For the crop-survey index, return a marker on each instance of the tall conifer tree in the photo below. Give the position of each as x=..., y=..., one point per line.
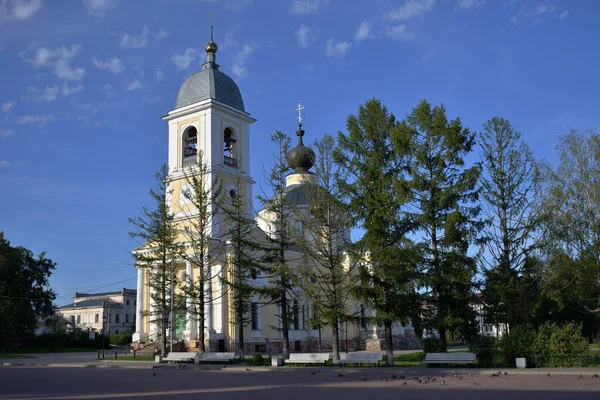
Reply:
x=444, y=200
x=510, y=190
x=376, y=194
x=160, y=247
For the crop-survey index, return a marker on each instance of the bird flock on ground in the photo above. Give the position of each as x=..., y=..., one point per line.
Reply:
x=423, y=379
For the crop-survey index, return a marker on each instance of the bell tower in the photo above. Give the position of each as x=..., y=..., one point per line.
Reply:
x=209, y=121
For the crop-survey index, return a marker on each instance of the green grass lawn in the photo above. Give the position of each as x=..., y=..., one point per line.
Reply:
x=128, y=358
x=408, y=360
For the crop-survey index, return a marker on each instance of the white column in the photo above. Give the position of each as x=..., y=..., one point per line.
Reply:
x=139, y=320
x=189, y=304
x=152, y=307
x=208, y=299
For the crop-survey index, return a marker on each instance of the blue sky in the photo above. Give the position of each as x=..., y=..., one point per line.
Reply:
x=84, y=84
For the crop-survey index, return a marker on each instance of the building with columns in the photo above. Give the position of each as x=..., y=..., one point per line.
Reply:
x=210, y=119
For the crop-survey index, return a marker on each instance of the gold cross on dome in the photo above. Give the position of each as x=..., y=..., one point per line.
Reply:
x=299, y=109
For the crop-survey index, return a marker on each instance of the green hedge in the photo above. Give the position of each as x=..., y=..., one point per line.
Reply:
x=548, y=346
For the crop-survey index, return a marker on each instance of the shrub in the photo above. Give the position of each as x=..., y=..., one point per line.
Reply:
x=560, y=345
x=258, y=360
x=485, y=348
x=432, y=345
x=517, y=343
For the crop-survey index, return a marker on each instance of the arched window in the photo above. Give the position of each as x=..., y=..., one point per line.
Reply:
x=229, y=147
x=190, y=145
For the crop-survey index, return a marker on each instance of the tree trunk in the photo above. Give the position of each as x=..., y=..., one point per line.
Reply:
x=201, y=314
x=335, y=346
x=240, y=323
x=443, y=341
x=389, y=343
x=284, y=322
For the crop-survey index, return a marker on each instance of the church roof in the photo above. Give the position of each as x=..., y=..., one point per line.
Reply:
x=210, y=83
x=91, y=303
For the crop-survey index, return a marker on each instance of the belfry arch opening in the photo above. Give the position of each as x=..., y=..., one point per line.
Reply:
x=190, y=146
x=230, y=149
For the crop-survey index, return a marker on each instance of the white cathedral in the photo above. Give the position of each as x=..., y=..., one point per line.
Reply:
x=210, y=119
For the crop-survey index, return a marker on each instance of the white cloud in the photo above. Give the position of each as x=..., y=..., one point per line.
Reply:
x=470, y=3
x=513, y=20
x=308, y=67
x=183, y=61
x=51, y=93
x=544, y=9
x=112, y=65
x=58, y=60
x=135, y=41
x=98, y=8
x=154, y=99
x=4, y=163
x=6, y=132
x=411, y=8
x=236, y=5
x=7, y=106
x=563, y=15
x=336, y=49
x=158, y=74
x=305, y=35
x=398, y=32
x=239, y=61
x=35, y=119
x=363, y=32
x=161, y=34
x=20, y=9
x=305, y=7
x=229, y=41
x=134, y=85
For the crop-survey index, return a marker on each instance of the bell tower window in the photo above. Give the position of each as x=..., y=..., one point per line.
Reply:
x=190, y=146
x=229, y=148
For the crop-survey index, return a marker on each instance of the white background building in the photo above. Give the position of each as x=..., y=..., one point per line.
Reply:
x=89, y=311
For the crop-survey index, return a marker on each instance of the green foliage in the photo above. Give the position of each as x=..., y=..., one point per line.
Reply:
x=53, y=342
x=202, y=193
x=258, y=360
x=432, y=345
x=120, y=339
x=572, y=198
x=444, y=192
x=560, y=345
x=485, y=348
x=282, y=278
x=155, y=229
x=377, y=193
x=245, y=248
x=511, y=185
x=328, y=276
x=518, y=343
x=25, y=294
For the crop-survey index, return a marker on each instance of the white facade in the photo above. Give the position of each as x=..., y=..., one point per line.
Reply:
x=116, y=310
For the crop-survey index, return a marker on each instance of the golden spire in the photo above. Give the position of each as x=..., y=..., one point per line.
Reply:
x=211, y=46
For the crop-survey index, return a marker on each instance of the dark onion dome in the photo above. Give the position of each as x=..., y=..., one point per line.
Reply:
x=301, y=158
x=210, y=83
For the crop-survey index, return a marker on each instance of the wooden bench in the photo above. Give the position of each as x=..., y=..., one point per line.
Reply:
x=216, y=357
x=360, y=358
x=181, y=356
x=308, y=358
x=449, y=358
